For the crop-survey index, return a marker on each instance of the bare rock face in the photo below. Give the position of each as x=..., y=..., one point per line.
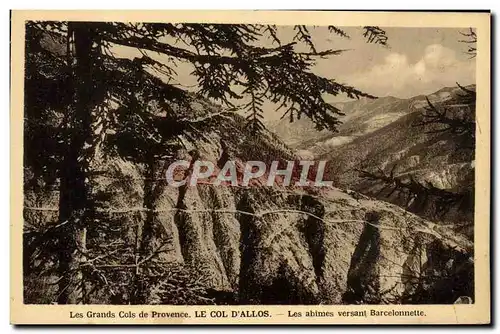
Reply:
x=258, y=244
x=274, y=245
x=277, y=245
x=285, y=246
x=384, y=135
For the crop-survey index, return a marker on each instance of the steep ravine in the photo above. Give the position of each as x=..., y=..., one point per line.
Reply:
x=278, y=245
x=389, y=135
x=271, y=245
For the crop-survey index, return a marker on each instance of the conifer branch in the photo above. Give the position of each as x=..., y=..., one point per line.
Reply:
x=375, y=35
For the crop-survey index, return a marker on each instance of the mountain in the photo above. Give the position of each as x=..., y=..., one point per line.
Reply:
x=209, y=244
x=361, y=116
x=381, y=136
x=247, y=245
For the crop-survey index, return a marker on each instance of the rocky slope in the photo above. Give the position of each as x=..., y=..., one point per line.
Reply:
x=274, y=245
x=361, y=117
x=381, y=135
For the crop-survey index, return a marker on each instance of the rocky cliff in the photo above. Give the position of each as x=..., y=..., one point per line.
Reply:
x=269, y=245
x=383, y=136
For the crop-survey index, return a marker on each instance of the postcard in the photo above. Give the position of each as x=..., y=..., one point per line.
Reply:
x=250, y=167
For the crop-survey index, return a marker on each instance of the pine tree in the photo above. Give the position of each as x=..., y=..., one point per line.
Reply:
x=454, y=117
x=457, y=116
x=471, y=41
x=93, y=89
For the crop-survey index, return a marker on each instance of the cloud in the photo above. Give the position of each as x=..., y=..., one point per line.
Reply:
x=397, y=76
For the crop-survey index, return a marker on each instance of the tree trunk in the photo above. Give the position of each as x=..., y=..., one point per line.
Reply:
x=145, y=233
x=74, y=192
x=149, y=205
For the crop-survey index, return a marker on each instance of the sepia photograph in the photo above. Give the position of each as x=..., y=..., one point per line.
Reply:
x=180, y=163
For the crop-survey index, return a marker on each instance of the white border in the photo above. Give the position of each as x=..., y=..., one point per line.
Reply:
x=188, y=4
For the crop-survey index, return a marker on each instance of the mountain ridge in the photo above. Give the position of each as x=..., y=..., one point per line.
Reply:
x=256, y=245
x=395, y=144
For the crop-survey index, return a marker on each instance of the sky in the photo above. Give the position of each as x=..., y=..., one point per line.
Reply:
x=417, y=61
